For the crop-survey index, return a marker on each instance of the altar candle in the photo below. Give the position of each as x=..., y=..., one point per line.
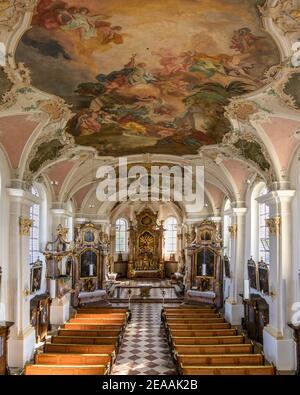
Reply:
x=91, y=269
x=246, y=289
x=204, y=269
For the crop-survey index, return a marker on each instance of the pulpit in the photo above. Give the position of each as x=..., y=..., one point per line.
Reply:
x=145, y=247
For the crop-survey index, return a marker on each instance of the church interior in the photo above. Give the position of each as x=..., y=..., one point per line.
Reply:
x=146, y=285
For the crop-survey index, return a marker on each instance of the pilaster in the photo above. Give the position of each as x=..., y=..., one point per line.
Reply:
x=279, y=345
x=233, y=306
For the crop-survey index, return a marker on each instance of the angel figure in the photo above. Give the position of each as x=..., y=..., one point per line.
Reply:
x=82, y=21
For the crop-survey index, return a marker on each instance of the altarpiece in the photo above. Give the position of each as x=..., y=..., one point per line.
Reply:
x=146, y=246
x=206, y=271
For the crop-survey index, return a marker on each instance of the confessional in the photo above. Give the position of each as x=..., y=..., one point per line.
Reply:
x=4, y=334
x=40, y=316
x=206, y=271
x=88, y=272
x=145, y=247
x=256, y=316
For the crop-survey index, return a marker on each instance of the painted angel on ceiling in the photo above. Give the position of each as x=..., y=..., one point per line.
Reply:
x=56, y=14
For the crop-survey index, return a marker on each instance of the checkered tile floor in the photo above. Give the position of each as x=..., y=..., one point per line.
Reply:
x=144, y=349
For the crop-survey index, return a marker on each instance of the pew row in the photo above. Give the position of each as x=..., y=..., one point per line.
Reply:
x=51, y=370
x=207, y=340
x=89, y=333
x=73, y=359
x=84, y=340
x=228, y=370
x=214, y=349
x=225, y=359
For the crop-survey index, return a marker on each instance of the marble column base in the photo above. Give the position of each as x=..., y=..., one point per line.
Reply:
x=278, y=350
x=234, y=312
x=59, y=311
x=20, y=348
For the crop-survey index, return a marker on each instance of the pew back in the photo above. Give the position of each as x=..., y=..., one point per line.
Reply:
x=50, y=370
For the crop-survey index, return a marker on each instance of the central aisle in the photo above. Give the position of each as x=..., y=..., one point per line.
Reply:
x=144, y=349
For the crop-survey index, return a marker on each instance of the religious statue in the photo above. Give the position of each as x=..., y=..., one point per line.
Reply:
x=181, y=263
x=109, y=263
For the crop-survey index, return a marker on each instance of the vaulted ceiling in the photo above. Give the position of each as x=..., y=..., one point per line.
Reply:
x=178, y=81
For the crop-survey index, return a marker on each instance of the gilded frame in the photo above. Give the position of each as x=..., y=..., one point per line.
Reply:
x=88, y=228
x=36, y=272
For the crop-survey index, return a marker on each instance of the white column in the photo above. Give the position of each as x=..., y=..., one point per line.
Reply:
x=22, y=334
x=279, y=347
x=234, y=309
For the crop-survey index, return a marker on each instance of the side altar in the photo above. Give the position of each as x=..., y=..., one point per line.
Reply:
x=146, y=246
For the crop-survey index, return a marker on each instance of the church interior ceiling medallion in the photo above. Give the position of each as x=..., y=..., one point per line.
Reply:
x=153, y=78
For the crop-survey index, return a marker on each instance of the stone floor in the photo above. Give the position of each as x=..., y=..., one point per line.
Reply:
x=144, y=349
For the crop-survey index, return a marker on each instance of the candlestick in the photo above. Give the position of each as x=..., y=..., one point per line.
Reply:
x=246, y=289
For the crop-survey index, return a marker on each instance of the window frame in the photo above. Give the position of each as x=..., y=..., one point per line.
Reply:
x=119, y=233
x=173, y=238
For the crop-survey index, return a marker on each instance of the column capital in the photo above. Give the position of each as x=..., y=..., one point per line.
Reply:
x=238, y=211
x=275, y=197
x=22, y=196
x=215, y=219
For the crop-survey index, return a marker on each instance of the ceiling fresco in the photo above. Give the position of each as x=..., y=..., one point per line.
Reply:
x=150, y=78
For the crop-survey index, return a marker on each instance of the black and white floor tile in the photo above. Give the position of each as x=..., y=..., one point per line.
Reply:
x=144, y=350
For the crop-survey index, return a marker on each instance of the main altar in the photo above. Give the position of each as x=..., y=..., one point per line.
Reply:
x=146, y=246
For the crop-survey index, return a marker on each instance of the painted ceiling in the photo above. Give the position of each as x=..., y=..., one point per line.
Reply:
x=154, y=78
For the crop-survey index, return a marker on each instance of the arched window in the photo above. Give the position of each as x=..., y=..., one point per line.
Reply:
x=170, y=235
x=121, y=235
x=263, y=232
x=34, y=239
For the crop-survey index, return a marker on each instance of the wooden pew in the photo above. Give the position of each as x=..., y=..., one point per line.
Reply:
x=195, y=320
x=50, y=370
x=101, y=310
x=72, y=359
x=79, y=349
x=203, y=332
x=228, y=370
x=90, y=333
x=223, y=360
x=96, y=327
x=104, y=310
x=214, y=349
x=191, y=315
x=107, y=320
x=203, y=326
x=84, y=340
x=100, y=316
x=207, y=340
x=189, y=307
